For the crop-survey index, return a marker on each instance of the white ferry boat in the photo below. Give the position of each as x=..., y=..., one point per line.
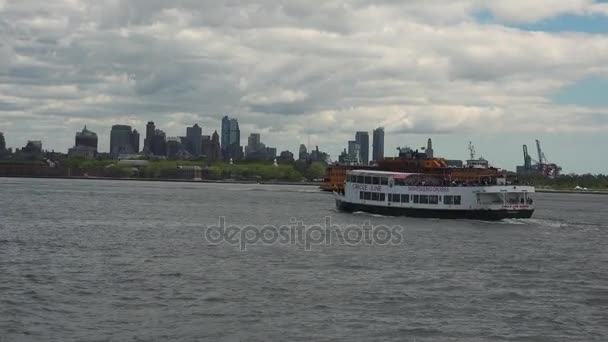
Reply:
x=434, y=196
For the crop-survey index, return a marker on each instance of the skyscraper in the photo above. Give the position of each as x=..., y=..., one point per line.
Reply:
x=429, y=149
x=235, y=132
x=150, y=130
x=194, y=138
x=158, y=143
x=362, y=138
x=2, y=142
x=86, y=138
x=354, y=151
x=303, y=152
x=85, y=145
x=225, y=137
x=135, y=141
x=378, y=144
x=231, y=139
x=121, y=140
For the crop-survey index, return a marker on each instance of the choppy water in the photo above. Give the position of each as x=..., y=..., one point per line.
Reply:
x=128, y=261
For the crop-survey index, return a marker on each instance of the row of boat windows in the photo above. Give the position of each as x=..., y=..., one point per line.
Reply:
x=400, y=198
x=367, y=180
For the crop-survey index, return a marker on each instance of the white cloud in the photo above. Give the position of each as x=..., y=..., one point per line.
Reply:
x=294, y=68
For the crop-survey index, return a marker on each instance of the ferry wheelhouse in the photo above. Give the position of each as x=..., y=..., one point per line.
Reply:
x=433, y=196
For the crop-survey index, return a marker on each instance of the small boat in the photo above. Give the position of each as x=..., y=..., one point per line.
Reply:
x=433, y=196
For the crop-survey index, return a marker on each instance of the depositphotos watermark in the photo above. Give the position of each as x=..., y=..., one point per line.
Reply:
x=300, y=234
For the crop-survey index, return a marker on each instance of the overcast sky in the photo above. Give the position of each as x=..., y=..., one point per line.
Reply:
x=500, y=73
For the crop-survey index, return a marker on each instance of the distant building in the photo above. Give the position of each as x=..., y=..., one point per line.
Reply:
x=378, y=144
x=2, y=142
x=225, y=136
x=175, y=148
x=32, y=146
x=85, y=145
x=318, y=156
x=194, y=137
x=210, y=147
x=86, y=138
x=258, y=151
x=158, y=144
x=286, y=157
x=303, y=153
x=122, y=140
x=429, y=149
x=83, y=152
x=362, y=138
x=354, y=152
x=349, y=158
x=150, y=131
x=231, y=139
x=135, y=141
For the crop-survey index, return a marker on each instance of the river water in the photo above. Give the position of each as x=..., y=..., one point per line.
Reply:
x=91, y=260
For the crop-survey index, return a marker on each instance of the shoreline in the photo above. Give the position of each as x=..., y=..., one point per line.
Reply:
x=170, y=180
x=235, y=181
x=584, y=192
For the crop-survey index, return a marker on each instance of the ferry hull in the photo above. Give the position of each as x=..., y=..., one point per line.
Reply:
x=473, y=214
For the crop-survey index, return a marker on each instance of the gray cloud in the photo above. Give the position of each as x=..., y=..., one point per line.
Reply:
x=291, y=69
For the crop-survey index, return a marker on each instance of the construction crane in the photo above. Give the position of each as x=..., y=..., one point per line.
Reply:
x=527, y=159
x=546, y=168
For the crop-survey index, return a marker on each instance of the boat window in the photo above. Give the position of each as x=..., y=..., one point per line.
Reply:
x=375, y=180
x=449, y=200
x=434, y=199
x=360, y=179
x=375, y=196
x=367, y=195
x=384, y=181
x=382, y=197
x=416, y=198
x=368, y=180
x=395, y=198
x=405, y=198
x=360, y=194
x=424, y=199
x=457, y=200
x=400, y=182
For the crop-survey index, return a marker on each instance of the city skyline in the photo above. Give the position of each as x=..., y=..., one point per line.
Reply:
x=496, y=73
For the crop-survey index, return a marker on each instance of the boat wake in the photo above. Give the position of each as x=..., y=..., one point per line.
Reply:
x=363, y=213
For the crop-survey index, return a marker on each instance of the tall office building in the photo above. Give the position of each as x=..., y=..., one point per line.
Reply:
x=303, y=152
x=354, y=152
x=121, y=140
x=158, y=143
x=362, y=138
x=231, y=139
x=85, y=145
x=194, y=140
x=86, y=138
x=2, y=142
x=135, y=141
x=378, y=144
x=429, y=149
x=150, y=130
x=225, y=134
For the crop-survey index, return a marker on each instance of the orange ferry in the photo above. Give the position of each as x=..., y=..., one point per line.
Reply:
x=475, y=171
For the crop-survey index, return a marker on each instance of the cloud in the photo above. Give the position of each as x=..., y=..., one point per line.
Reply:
x=292, y=69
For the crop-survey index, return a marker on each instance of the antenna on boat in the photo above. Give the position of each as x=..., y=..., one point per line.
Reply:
x=472, y=150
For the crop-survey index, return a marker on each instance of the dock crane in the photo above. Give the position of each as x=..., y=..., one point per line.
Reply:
x=542, y=165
